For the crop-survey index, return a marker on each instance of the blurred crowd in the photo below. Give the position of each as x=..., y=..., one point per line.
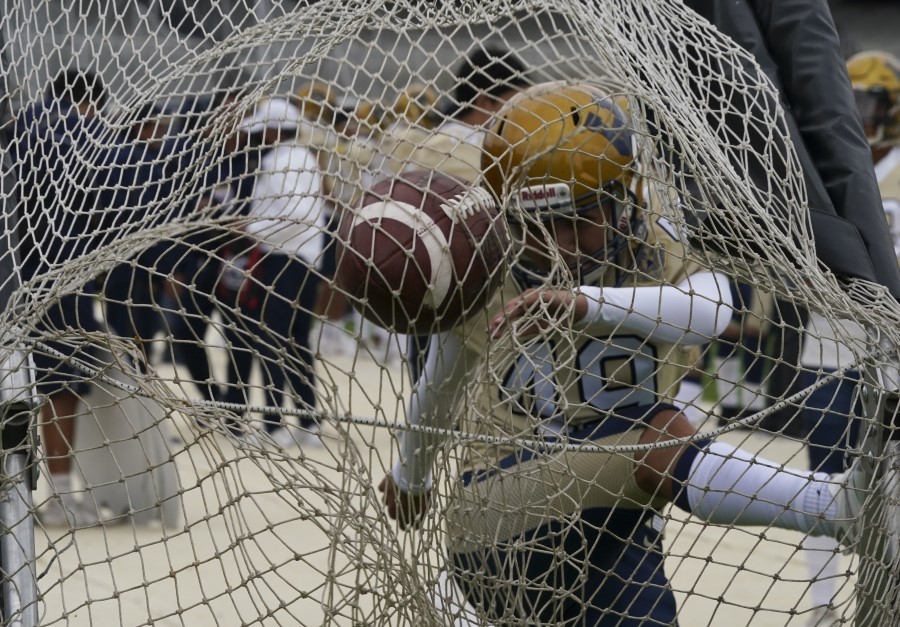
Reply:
x=217, y=217
x=222, y=209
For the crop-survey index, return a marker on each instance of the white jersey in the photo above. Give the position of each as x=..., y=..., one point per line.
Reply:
x=834, y=344
x=287, y=210
x=453, y=149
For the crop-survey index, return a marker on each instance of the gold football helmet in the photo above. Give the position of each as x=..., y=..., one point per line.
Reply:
x=317, y=101
x=417, y=105
x=875, y=77
x=368, y=118
x=562, y=151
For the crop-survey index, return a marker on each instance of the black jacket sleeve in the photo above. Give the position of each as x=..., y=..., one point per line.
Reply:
x=796, y=44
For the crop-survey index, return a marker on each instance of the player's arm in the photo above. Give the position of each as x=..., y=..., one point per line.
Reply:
x=431, y=406
x=689, y=313
x=692, y=312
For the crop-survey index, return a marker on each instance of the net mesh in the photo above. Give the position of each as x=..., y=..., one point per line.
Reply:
x=207, y=388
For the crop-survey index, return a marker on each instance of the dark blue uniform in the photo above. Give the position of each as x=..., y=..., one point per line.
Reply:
x=595, y=566
x=54, y=150
x=136, y=190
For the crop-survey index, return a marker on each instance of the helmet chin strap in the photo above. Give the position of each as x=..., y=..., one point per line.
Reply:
x=594, y=271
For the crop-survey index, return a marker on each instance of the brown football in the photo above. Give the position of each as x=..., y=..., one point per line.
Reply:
x=421, y=252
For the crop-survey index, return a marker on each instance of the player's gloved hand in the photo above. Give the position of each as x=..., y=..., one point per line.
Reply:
x=544, y=307
x=407, y=509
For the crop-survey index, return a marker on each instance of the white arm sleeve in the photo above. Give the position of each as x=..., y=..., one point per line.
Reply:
x=691, y=313
x=431, y=404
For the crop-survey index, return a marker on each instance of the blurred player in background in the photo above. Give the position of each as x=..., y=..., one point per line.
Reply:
x=190, y=261
x=587, y=342
x=322, y=128
x=139, y=174
x=288, y=218
x=828, y=411
x=57, y=228
x=415, y=106
x=485, y=80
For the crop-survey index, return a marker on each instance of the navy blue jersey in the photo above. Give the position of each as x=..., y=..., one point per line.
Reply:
x=56, y=152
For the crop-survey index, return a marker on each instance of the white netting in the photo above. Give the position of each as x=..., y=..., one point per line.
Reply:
x=229, y=413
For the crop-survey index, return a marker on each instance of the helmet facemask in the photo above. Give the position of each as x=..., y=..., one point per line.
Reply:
x=875, y=77
x=573, y=240
x=879, y=114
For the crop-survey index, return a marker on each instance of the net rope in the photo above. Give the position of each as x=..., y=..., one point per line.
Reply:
x=137, y=290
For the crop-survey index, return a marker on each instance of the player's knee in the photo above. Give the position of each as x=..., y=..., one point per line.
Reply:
x=649, y=479
x=654, y=468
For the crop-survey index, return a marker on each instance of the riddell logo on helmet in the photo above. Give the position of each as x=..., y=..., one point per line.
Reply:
x=545, y=196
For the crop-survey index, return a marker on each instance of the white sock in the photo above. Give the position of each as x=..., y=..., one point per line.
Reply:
x=728, y=486
x=728, y=377
x=821, y=558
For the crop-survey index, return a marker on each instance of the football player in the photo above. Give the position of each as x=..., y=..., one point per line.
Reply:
x=583, y=347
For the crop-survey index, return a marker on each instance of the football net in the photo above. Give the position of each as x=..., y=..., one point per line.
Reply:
x=229, y=414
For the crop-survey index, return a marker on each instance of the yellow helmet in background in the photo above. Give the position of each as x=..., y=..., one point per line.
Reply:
x=417, y=104
x=559, y=150
x=317, y=101
x=369, y=118
x=875, y=77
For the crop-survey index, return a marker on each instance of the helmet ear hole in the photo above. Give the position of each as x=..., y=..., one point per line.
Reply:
x=576, y=118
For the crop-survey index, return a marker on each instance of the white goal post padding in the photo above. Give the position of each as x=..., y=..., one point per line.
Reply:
x=122, y=451
x=141, y=222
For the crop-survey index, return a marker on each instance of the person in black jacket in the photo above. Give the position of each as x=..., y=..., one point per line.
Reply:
x=796, y=44
x=136, y=184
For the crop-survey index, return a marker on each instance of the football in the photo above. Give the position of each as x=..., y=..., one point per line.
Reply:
x=421, y=252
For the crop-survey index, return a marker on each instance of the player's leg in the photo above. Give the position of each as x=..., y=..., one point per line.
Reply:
x=58, y=434
x=691, y=390
x=238, y=298
x=723, y=484
x=575, y=570
x=301, y=285
x=286, y=315
x=235, y=389
x=196, y=276
x=63, y=385
x=332, y=306
x=116, y=291
x=548, y=538
x=830, y=431
x=129, y=304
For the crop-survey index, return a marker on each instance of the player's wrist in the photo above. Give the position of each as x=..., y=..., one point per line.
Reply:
x=400, y=475
x=592, y=300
